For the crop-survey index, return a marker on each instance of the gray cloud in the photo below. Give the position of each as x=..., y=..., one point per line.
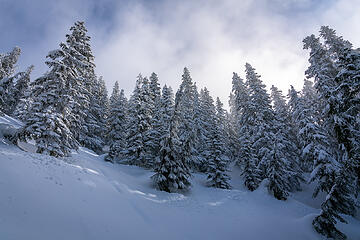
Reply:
x=213, y=38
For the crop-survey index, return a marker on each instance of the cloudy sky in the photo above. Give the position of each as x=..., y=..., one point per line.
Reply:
x=212, y=38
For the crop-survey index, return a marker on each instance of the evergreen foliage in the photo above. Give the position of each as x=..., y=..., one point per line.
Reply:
x=7, y=69
x=334, y=65
x=117, y=125
x=46, y=122
x=172, y=172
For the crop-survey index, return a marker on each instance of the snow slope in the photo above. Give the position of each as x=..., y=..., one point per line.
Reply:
x=83, y=197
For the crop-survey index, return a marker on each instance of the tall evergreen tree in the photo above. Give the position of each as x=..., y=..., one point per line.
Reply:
x=77, y=56
x=113, y=118
x=246, y=153
x=7, y=69
x=46, y=122
x=232, y=130
x=155, y=122
x=93, y=133
x=206, y=118
x=185, y=101
x=217, y=160
x=334, y=66
x=285, y=149
x=224, y=127
x=18, y=91
x=260, y=119
x=138, y=139
x=166, y=110
x=117, y=125
x=172, y=172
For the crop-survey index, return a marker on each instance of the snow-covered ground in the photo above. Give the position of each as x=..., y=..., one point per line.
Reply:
x=83, y=197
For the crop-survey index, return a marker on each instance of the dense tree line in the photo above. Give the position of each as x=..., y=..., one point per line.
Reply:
x=312, y=135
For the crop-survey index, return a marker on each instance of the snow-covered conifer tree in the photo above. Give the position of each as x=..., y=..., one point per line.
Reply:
x=172, y=172
x=334, y=66
x=7, y=69
x=286, y=142
x=139, y=125
x=93, y=133
x=46, y=122
x=216, y=159
x=260, y=120
x=112, y=118
x=207, y=114
x=18, y=91
x=155, y=122
x=117, y=125
x=184, y=99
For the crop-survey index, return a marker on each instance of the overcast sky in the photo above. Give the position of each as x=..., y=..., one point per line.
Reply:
x=212, y=38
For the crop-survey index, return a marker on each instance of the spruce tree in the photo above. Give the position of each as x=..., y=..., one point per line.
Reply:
x=260, y=119
x=93, y=132
x=221, y=115
x=172, y=172
x=246, y=158
x=78, y=57
x=117, y=124
x=7, y=69
x=139, y=126
x=166, y=109
x=113, y=118
x=46, y=122
x=232, y=130
x=207, y=114
x=184, y=99
x=286, y=142
x=334, y=65
x=217, y=160
x=155, y=122
x=18, y=91
x=146, y=120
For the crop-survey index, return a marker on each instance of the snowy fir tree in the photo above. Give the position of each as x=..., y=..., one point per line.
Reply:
x=184, y=100
x=76, y=56
x=166, y=111
x=23, y=107
x=18, y=91
x=134, y=139
x=334, y=65
x=139, y=142
x=207, y=114
x=7, y=69
x=112, y=115
x=154, y=133
x=260, y=120
x=232, y=130
x=246, y=157
x=146, y=120
x=172, y=172
x=93, y=134
x=46, y=122
x=87, y=114
x=117, y=123
x=286, y=143
x=217, y=160
x=224, y=127
x=317, y=151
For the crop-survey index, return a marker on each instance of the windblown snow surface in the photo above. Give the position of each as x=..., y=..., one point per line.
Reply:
x=83, y=197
